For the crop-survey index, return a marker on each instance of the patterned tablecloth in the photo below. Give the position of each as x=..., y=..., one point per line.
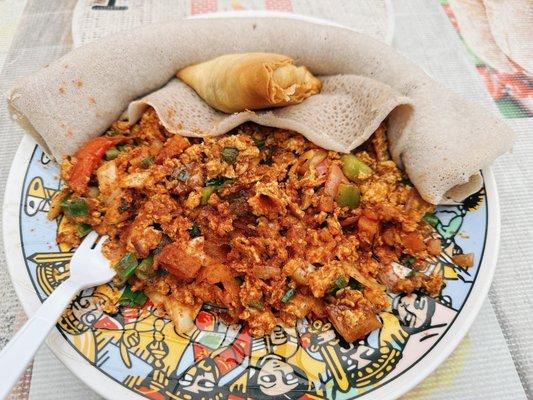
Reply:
x=474, y=47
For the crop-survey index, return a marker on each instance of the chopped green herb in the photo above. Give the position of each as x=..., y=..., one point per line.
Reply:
x=131, y=298
x=260, y=143
x=125, y=268
x=288, y=295
x=145, y=268
x=194, y=231
x=268, y=159
x=406, y=181
x=83, y=229
x=215, y=182
x=75, y=207
x=112, y=132
x=212, y=185
x=146, y=162
x=407, y=260
x=206, y=194
x=431, y=219
x=229, y=154
x=121, y=146
x=218, y=181
x=112, y=153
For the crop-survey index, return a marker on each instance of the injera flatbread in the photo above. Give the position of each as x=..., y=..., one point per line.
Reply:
x=511, y=24
x=346, y=102
x=471, y=18
x=442, y=143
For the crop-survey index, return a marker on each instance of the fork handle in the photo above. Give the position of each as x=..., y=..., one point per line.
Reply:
x=23, y=346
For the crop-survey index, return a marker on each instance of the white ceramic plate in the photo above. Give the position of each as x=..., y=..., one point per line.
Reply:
x=138, y=355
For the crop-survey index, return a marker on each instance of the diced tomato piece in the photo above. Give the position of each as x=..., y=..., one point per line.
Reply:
x=370, y=214
x=368, y=226
x=87, y=159
x=219, y=273
x=217, y=249
x=178, y=262
x=173, y=147
x=351, y=325
x=413, y=242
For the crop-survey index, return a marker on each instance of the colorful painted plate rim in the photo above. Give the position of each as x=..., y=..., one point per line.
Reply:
x=108, y=388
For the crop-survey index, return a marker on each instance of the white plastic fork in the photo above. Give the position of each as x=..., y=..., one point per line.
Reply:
x=88, y=267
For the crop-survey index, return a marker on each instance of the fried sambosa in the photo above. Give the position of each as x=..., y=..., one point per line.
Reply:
x=250, y=81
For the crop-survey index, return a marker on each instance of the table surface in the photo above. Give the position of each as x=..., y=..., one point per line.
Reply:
x=35, y=32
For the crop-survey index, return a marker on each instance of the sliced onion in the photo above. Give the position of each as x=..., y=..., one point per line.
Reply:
x=107, y=175
x=182, y=316
x=322, y=167
x=366, y=281
x=310, y=159
x=334, y=179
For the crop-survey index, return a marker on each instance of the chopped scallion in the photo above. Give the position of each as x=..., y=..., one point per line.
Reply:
x=354, y=284
x=288, y=295
x=145, y=268
x=131, y=298
x=125, y=268
x=431, y=219
x=268, y=159
x=339, y=283
x=212, y=185
x=194, y=231
x=75, y=207
x=260, y=143
x=218, y=181
x=83, y=229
